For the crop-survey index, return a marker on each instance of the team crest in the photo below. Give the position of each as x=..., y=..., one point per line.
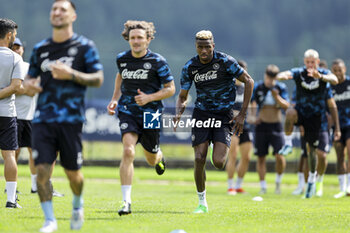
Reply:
x=72, y=51
x=147, y=66
x=193, y=137
x=216, y=66
x=124, y=125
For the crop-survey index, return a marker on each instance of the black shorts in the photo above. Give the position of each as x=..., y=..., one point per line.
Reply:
x=246, y=136
x=149, y=138
x=267, y=134
x=345, y=135
x=48, y=138
x=323, y=143
x=212, y=134
x=312, y=127
x=8, y=133
x=24, y=133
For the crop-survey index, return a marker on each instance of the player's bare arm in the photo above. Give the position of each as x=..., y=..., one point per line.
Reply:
x=248, y=90
x=285, y=75
x=64, y=72
x=280, y=101
x=181, y=104
x=332, y=106
x=13, y=88
x=330, y=78
x=167, y=91
x=116, y=95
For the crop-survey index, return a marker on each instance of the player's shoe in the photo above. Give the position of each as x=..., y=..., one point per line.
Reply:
x=298, y=191
x=348, y=191
x=11, y=205
x=240, y=190
x=49, y=226
x=286, y=150
x=125, y=209
x=57, y=194
x=262, y=191
x=340, y=195
x=33, y=191
x=319, y=189
x=309, y=190
x=77, y=219
x=160, y=167
x=201, y=209
x=278, y=188
x=231, y=191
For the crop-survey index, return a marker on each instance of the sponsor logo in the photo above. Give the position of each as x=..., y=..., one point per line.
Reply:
x=137, y=74
x=343, y=96
x=80, y=158
x=210, y=75
x=194, y=71
x=44, y=54
x=46, y=64
x=310, y=86
x=122, y=64
x=151, y=120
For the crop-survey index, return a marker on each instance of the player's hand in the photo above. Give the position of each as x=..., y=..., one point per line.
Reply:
x=337, y=135
x=275, y=92
x=142, y=98
x=176, y=119
x=61, y=71
x=32, y=86
x=111, y=107
x=239, y=123
x=314, y=73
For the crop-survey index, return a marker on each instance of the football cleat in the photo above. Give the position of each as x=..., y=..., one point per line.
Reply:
x=262, y=191
x=77, y=219
x=319, y=189
x=240, y=190
x=33, y=191
x=231, y=191
x=340, y=195
x=278, y=188
x=11, y=205
x=201, y=209
x=310, y=190
x=125, y=209
x=286, y=150
x=57, y=194
x=49, y=226
x=160, y=167
x=298, y=191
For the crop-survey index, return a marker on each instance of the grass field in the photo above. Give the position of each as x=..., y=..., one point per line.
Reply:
x=164, y=203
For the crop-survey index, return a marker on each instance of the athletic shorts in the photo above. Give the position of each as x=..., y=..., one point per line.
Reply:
x=8, y=133
x=246, y=136
x=345, y=135
x=267, y=134
x=312, y=127
x=323, y=143
x=149, y=138
x=212, y=134
x=24, y=133
x=48, y=138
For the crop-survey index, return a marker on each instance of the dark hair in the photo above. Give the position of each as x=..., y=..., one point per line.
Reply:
x=338, y=61
x=242, y=64
x=323, y=64
x=6, y=26
x=71, y=3
x=134, y=24
x=272, y=70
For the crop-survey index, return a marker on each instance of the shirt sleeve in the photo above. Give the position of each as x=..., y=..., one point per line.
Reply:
x=164, y=72
x=185, y=81
x=233, y=66
x=92, y=59
x=34, y=69
x=19, y=69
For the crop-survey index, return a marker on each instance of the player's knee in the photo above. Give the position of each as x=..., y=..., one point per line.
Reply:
x=200, y=160
x=291, y=113
x=219, y=163
x=129, y=152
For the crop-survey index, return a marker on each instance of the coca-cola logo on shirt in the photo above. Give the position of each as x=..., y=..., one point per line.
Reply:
x=135, y=74
x=212, y=74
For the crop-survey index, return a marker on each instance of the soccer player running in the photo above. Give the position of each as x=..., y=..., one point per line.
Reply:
x=311, y=86
x=12, y=73
x=67, y=63
x=214, y=75
x=269, y=98
x=243, y=143
x=341, y=93
x=143, y=80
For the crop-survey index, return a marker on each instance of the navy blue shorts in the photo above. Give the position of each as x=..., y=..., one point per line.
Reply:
x=149, y=138
x=48, y=138
x=312, y=127
x=246, y=136
x=211, y=134
x=345, y=135
x=267, y=134
x=8, y=133
x=24, y=133
x=323, y=143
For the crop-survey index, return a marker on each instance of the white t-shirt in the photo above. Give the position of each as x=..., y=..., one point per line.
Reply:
x=11, y=67
x=25, y=105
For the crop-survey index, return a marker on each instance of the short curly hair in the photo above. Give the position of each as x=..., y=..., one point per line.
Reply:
x=204, y=35
x=134, y=24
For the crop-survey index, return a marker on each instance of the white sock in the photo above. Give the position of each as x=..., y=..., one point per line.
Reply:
x=263, y=184
x=230, y=183
x=202, y=198
x=126, y=191
x=348, y=186
x=319, y=178
x=239, y=182
x=301, y=180
x=11, y=191
x=312, y=177
x=342, y=182
x=34, y=187
x=288, y=140
x=279, y=177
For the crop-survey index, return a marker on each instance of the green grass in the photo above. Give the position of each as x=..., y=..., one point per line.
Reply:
x=164, y=203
